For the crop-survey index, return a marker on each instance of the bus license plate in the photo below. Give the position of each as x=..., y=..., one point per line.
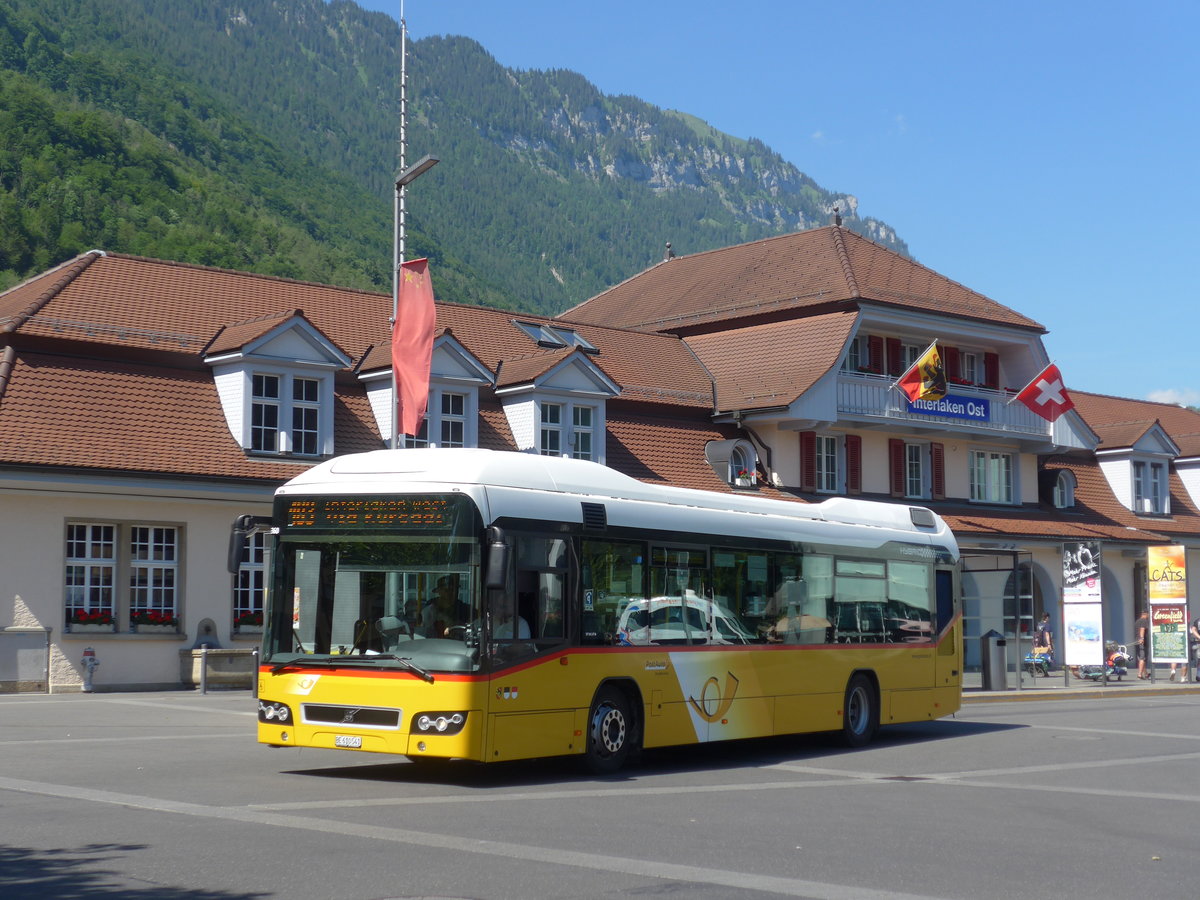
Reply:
x=350, y=741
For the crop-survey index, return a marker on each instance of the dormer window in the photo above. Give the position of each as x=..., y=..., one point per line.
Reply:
x=285, y=414
x=554, y=439
x=275, y=379
x=734, y=461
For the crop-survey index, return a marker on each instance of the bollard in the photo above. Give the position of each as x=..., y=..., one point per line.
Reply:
x=254, y=675
x=204, y=668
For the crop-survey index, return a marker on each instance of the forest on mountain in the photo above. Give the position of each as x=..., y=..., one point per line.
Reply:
x=262, y=135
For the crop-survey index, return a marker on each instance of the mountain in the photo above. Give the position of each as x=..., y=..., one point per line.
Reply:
x=262, y=135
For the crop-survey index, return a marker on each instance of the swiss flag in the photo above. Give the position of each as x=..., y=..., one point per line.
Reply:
x=1046, y=395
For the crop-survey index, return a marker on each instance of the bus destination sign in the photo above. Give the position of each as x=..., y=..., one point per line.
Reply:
x=367, y=512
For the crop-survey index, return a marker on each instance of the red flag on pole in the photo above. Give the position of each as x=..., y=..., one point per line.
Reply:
x=1046, y=395
x=412, y=343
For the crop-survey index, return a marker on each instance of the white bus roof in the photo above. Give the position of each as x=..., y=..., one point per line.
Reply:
x=500, y=473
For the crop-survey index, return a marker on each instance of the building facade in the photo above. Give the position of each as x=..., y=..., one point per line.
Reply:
x=146, y=404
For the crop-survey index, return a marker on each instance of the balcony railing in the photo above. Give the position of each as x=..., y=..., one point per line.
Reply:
x=968, y=407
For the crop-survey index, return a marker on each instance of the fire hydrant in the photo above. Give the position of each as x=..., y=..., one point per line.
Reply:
x=89, y=666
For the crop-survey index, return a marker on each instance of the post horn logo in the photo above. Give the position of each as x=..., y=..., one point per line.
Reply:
x=713, y=702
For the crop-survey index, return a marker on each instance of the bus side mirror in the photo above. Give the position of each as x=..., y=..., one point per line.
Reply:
x=497, y=560
x=243, y=527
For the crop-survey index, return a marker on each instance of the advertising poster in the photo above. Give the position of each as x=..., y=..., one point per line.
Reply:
x=1083, y=640
x=1168, y=633
x=1081, y=572
x=1166, y=574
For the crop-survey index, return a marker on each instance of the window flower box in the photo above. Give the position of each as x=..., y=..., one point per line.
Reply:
x=153, y=623
x=90, y=622
x=248, y=623
x=148, y=628
x=89, y=628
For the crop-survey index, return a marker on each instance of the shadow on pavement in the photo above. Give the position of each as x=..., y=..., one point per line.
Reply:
x=811, y=749
x=34, y=873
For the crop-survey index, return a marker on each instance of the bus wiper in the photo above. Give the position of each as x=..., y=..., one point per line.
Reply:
x=299, y=661
x=405, y=663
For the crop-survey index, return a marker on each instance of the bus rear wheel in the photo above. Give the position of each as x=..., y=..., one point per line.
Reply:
x=860, y=712
x=610, y=732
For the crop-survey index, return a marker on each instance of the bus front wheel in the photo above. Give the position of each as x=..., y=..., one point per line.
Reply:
x=610, y=731
x=860, y=713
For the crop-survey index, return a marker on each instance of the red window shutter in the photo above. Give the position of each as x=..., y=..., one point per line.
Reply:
x=937, y=471
x=896, y=465
x=808, y=460
x=991, y=371
x=895, y=357
x=875, y=352
x=953, y=362
x=853, y=464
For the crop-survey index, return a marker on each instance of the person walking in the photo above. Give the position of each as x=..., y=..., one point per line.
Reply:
x=1194, y=647
x=1141, y=630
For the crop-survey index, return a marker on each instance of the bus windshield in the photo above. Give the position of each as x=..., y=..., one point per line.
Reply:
x=382, y=582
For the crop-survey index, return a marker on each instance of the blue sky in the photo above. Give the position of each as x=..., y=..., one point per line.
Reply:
x=1042, y=153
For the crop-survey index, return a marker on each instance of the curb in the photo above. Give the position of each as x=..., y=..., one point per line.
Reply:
x=1076, y=693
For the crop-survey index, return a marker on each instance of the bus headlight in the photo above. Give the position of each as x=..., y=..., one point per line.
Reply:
x=439, y=722
x=269, y=711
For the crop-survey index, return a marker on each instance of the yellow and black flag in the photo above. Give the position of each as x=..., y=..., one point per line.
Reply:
x=926, y=378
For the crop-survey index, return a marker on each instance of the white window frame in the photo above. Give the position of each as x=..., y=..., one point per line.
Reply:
x=1149, y=484
x=858, y=354
x=573, y=438
x=127, y=568
x=153, y=570
x=550, y=428
x=969, y=366
x=264, y=404
x=991, y=476
x=828, y=464
x=249, y=586
x=305, y=436
x=916, y=471
x=441, y=418
x=1064, y=490
x=90, y=571
x=582, y=435
x=293, y=401
x=742, y=458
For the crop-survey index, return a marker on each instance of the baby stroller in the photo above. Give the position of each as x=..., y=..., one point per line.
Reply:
x=1038, y=661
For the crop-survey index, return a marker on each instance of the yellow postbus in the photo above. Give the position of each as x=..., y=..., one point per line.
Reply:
x=485, y=605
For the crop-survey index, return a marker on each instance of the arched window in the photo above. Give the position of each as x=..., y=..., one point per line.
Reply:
x=1064, y=490
x=742, y=463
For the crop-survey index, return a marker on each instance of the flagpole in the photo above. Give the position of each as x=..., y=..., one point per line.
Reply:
x=398, y=221
x=404, y=175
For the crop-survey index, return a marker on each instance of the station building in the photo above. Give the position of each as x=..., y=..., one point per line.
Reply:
x=145, y=404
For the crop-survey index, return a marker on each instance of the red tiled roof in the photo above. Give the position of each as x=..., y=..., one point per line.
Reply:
x=803, y=270
x=1121, y=421
x=93, y=414
x=772, y=364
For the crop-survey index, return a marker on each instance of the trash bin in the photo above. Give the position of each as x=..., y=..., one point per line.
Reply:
x=993, y=653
